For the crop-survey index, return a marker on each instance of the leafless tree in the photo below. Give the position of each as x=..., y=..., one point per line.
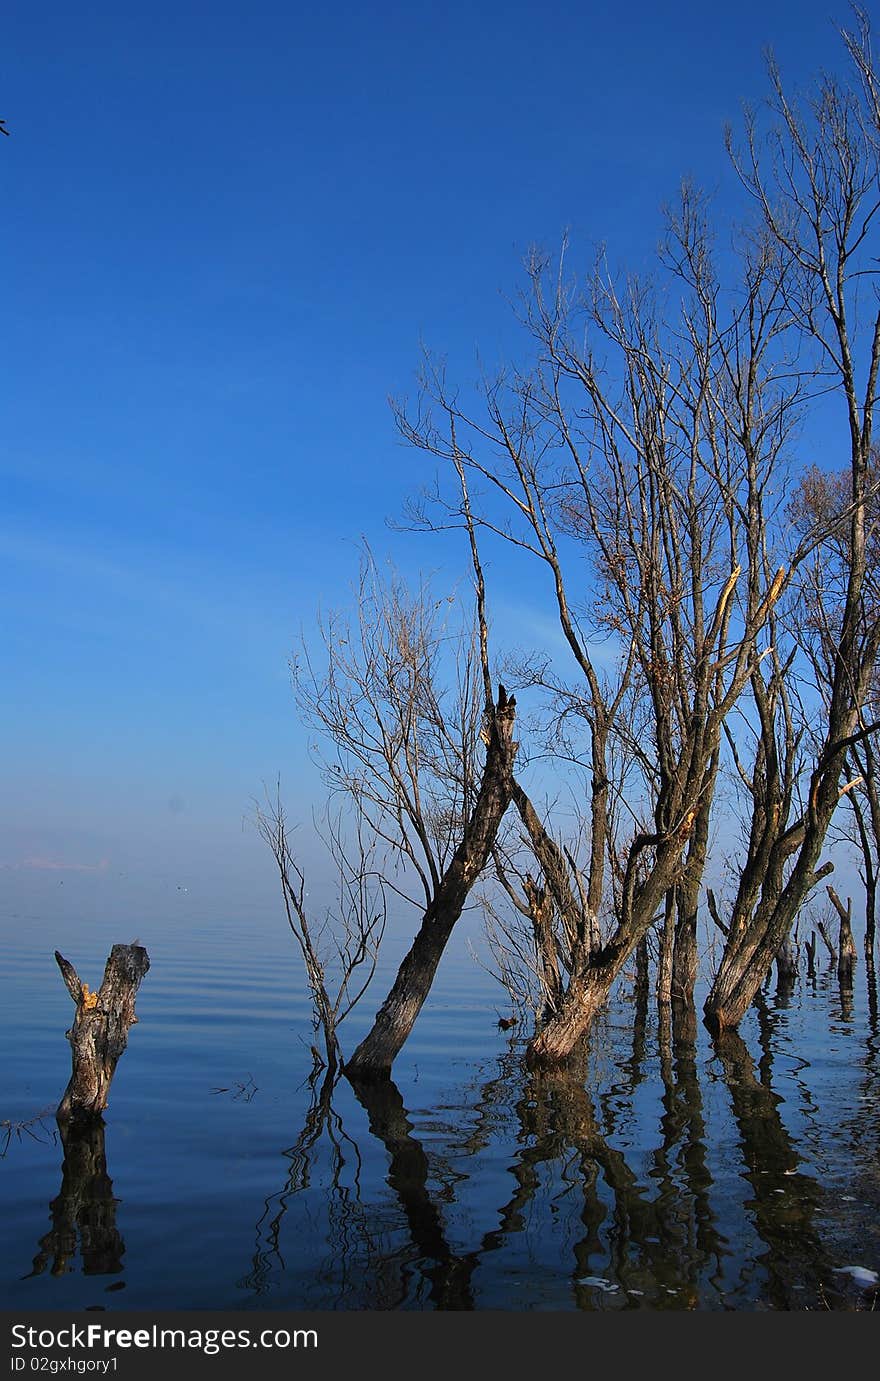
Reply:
x=341, y=949
x=823, y=499
x=402, y=703
x=623, y=443
x=484, y=795
x=816, y=183
x=638, y=459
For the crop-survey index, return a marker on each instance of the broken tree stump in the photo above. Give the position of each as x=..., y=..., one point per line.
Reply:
x=847, y=948
x=99, y=1033
x=810, y=947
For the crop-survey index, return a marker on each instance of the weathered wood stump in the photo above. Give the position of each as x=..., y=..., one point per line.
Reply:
x=99, y=1033
x=786, y=969
x=810, y=947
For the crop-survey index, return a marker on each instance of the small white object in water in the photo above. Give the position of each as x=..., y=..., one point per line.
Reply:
x=860, y=1274
x=599, y=1281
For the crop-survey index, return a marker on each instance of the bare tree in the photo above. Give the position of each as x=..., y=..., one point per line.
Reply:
x=823, y=500
x=348, y=937
x=477, y=834
x=638, y=459
x=402, y=702
x=396, y=1017
x=816, y=183
x=623, y=443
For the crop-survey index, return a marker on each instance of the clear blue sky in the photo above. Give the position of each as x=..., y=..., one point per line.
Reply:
x=226, y=229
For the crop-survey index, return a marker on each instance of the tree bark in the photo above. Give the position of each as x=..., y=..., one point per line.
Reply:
x=749, y=955
x=591, y=982
x=99, y=1033
x=642, y=968
x=376, y=1053
x=667, y=948
x=867, y=829
x=546, y=949
x=846, y=950
x=685, y=960
x=589, y=986
x=786, y=969
x=810, y=947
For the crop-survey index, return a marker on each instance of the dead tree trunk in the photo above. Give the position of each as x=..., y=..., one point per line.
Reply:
x=591, y=982
x=810, y=948
x=540, y=902
x=642, y=968
x=786, y=968
x=685, y=959
x=868, y=833
x=846, y=950
x=827, y=941
x=100, y=1028
x=667, y=946
x=396, y=1017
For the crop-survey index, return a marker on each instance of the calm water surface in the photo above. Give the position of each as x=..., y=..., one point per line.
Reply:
x=662, y=1173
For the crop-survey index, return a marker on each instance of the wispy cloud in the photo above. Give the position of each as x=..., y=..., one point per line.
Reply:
x=58, y=865
x=202, y=590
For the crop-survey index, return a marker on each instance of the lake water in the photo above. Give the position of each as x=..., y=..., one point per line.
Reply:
x=662, y=1173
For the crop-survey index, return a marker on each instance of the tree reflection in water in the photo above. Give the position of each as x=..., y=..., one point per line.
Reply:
x=84, y=1212
x=785, y=1202
x=346, y=1219
x=659, y=1238
x=660, y=1170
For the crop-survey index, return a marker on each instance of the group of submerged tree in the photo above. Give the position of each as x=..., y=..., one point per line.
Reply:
x=684, y=466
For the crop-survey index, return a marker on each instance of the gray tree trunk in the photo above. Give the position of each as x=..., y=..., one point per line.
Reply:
x=377, y=1051
x=99, y=1033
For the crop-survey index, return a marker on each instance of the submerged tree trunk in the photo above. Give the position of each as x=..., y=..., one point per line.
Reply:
x=810, y=948
x=750, y=953
x=591, y=983
x=667, y=947
x=869, y=774
x=786, y=968
x=396, y=1017
x=846, y=950
x=685, y=960
x=99, y=1033
x=642, y=969
x=546, y=950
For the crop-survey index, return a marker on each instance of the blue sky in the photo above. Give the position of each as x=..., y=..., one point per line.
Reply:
x=227, y=229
